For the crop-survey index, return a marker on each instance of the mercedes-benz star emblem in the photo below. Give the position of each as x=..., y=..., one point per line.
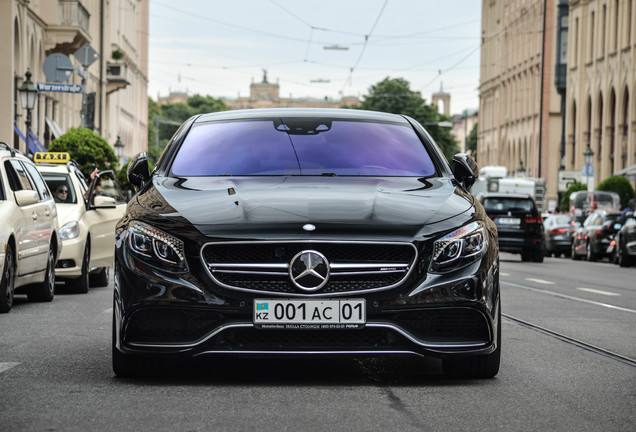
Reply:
x=309, y=270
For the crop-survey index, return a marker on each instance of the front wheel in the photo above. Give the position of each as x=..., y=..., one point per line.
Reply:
x=590, y=255
x=101, y=278
x=7, y=283
x=624, y=260
x=45, y=291
x=81, y=284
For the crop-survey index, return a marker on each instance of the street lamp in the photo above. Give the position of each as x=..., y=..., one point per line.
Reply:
x=119, y=147
x=588, y=168
x=521, y=171
x=28, y=93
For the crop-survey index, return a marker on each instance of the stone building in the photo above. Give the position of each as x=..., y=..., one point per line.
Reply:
x=116, y=81
x=527, y=117
x=601, y=85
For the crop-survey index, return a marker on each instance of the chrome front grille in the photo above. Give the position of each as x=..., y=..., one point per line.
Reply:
x=263, y=267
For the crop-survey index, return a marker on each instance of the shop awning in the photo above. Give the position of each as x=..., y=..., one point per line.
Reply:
x=55, y=128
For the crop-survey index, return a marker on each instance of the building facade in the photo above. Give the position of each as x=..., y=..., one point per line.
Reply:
x=531, y=117
x=601, y=85
x=115, y=82
x=520, y=108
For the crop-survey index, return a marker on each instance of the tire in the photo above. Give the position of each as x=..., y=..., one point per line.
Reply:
x=573, y=255
x=624, y=260
x=481, y=367
x=127, y=365
x=81, y=284
x=590, y=255
x=101, y=278
x=538, y=257
x=45, y=291
x=7, y=283
x=525, y=256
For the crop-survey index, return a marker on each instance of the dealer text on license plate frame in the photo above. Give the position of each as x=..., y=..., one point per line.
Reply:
x=309, y=314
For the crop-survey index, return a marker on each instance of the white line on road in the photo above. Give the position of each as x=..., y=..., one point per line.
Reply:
x=541, y=281
x=107, y=311
x=568, y=297
x=504, y=274
x=595, y=291
x=5, y=366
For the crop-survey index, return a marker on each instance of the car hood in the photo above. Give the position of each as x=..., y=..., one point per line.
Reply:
x=68, y=212
x=216, y=205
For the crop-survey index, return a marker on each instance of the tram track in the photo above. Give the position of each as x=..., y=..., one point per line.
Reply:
x=573, y=341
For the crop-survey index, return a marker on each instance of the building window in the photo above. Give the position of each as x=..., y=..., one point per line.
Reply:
x=591, y=51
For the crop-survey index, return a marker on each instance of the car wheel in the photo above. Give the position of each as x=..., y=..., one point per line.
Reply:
x=101, y=278
x=525, y=256
x=126, y=365
x=7, y=283
x=81, y=284
x=538, y=257
x=573, y=255
x=483, y=366
x=45, y=291
x=624, y=260
x=590, y=255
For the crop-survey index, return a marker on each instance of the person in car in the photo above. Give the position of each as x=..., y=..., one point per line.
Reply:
x=631, y=207
x=61, y=194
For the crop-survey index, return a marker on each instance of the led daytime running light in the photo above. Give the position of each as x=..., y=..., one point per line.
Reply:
x=157, y=236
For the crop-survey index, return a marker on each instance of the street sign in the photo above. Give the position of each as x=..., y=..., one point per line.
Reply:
x=566, y=178
x=59, y=87
x=57, y=68
x=86, y=55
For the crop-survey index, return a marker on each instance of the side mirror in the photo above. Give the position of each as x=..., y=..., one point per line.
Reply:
x=465, y=169
x=138, y=172
x=26, y=197
x=101, y=201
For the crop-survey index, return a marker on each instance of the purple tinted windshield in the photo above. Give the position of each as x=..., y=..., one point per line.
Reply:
x=345, y=148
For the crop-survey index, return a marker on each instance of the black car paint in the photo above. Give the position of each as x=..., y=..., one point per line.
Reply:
x=213, y=209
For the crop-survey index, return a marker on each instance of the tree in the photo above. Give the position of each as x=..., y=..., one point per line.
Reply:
x=565, y=199
x=620, y=185
x=87, y=148
x=395, y=96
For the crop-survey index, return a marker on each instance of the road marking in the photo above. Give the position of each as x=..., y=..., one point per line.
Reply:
x=107, y=311
x=504, y=274
x=607, y=293
x=7, y=365
x=541, y=281
x=569, y=297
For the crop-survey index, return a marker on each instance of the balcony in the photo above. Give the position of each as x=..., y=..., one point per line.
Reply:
x=72, y=29
x=116, y=76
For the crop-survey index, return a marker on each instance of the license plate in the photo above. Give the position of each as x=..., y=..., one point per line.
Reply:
x=509, y=221
x=309, y=314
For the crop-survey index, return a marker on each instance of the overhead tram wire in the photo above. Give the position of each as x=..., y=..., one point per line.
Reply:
x=364, y=47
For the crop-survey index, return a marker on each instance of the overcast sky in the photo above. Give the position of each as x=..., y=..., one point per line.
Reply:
x=218, y=47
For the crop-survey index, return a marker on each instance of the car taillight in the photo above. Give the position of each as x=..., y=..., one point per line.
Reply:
x=558, y=231
x=599, y=232
x=533, y=220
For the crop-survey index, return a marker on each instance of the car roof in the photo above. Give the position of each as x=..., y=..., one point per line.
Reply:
x=270, y=113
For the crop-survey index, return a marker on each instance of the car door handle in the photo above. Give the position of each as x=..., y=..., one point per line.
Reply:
x=47, y=213
x=34, y=216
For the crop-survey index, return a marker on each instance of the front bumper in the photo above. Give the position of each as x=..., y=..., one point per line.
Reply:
x=69, y=264
x=157, y=313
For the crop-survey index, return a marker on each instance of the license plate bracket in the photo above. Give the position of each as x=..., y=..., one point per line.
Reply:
x=309, y=314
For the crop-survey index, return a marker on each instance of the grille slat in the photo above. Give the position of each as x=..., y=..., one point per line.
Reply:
x=355, y=267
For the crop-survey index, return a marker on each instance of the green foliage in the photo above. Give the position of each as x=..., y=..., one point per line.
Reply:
x=154, y=152
x=395, y=96
x=620, y=185
x=122, y=178
x=565, y=199
x=471, y=142
x=87, y=148
x=170, y=116
x=117, y=54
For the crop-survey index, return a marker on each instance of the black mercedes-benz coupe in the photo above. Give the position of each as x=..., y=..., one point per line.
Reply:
x=306, y=232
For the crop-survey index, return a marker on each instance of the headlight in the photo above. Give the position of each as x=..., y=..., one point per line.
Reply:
x=70, y=231
x=461, y=246
x=156, y=247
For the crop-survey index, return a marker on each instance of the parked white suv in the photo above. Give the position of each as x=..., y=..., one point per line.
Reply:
x=87, y=216
x=29, y=238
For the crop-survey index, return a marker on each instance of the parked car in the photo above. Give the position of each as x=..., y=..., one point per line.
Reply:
x=626, y=242
x=518, y=222
x=300, y=232
x=558, y=232
x=87, y=216
x=593, y=237
x=29, y=239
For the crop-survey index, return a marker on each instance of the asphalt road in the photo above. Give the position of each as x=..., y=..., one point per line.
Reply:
x=55, y=371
